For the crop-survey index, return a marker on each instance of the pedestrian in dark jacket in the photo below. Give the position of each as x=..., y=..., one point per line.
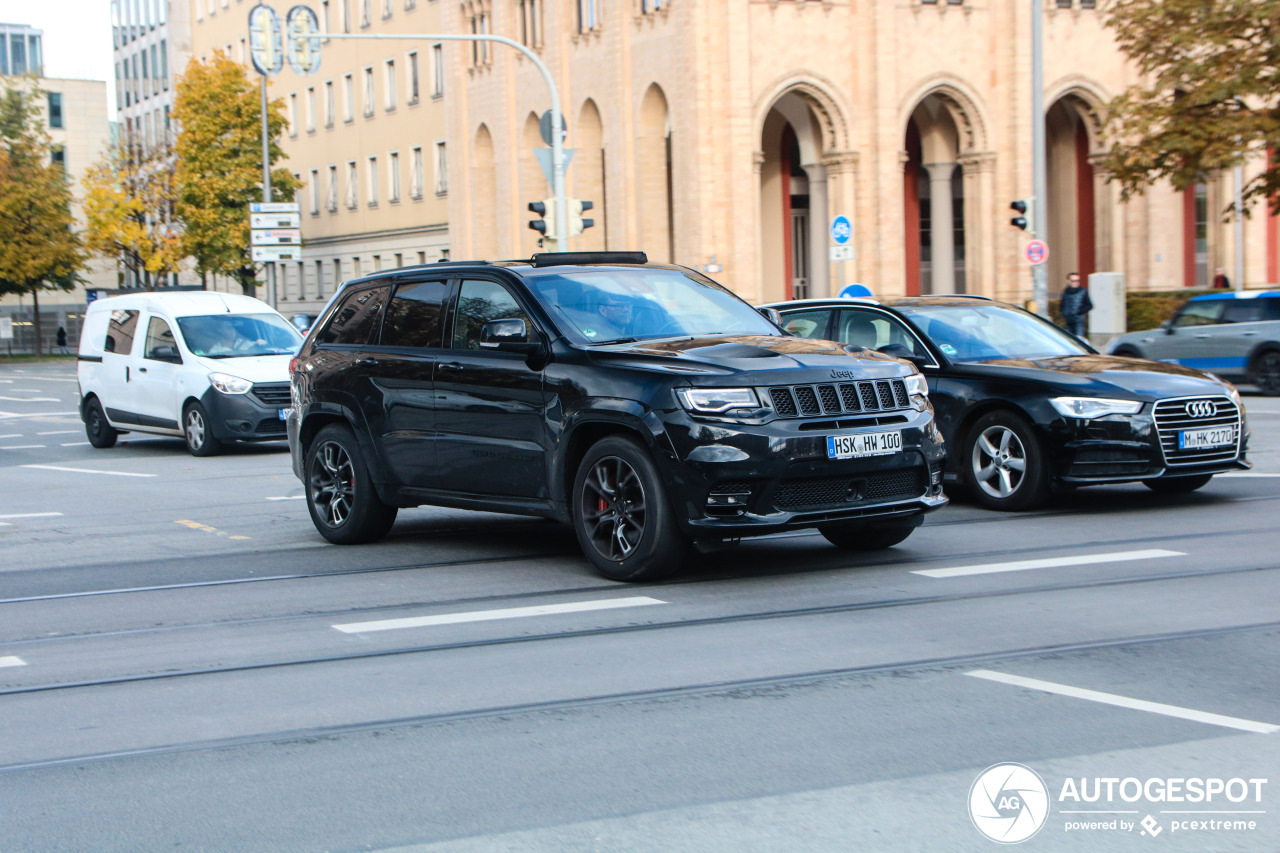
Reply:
x=62, y=340
x=1075, y=305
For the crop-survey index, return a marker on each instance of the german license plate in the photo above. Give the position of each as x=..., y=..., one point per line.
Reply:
x=863, y=444
x=1198, y=439
x=284, y=414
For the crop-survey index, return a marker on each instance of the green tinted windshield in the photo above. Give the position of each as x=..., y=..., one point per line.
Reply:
x=599, y=306
x=986, y=332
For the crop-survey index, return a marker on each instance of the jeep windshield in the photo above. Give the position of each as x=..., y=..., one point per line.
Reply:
x=601, y=306
x=239, y=335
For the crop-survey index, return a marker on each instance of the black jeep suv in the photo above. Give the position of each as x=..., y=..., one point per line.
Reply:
x=643, y=403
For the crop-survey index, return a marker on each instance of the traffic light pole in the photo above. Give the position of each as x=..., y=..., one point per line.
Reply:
x=266, y=188
x=1039, y=167
x=557, y=141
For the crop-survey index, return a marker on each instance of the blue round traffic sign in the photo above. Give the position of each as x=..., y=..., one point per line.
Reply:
x=841, y=230
x=851, y=291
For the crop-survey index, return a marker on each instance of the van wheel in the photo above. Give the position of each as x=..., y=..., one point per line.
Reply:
x=343, y=504
x=101, y=434
x=1003, y=464
x=1266, y=373
x=860, y=536
x=196, y=430
x=1177, y=485
x=621, y=514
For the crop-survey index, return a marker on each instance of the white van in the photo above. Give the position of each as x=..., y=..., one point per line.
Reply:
x=211, y=367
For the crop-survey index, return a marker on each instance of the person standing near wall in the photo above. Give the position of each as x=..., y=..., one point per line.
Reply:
x=1075, y=305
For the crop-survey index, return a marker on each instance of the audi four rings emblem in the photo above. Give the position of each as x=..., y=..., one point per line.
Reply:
x=1201, y=409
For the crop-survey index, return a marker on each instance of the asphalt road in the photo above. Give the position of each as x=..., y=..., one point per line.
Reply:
x=185, y=664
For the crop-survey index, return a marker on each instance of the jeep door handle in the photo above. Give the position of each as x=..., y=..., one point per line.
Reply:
x=449, y=365
x=367, y=362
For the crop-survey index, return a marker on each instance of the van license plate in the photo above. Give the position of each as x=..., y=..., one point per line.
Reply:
x=284, y=414
x=864, y=444
x=1198, y=439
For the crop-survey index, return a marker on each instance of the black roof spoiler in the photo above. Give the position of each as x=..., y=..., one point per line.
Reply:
x=562, y=259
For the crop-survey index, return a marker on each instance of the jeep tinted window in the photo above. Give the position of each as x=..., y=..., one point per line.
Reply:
x=120, y=332
x=356, y=318
x=413, y=317
x=478, y=303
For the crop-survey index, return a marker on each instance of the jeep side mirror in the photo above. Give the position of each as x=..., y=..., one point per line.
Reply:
x=509, y=335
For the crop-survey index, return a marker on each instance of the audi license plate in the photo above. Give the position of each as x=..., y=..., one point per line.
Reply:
x=1199, y=439
x=865, y=444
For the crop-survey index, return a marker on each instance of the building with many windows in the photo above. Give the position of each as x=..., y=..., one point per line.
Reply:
x=151, y=42
x=729, y=134
x=366, y=137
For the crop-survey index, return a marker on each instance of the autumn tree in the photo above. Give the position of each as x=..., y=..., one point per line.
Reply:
x=1211, y=97
x=219, y=148
x=129, y=206
x=39, y=248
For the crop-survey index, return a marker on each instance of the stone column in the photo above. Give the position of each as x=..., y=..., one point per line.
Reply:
x=842, y=200
x=979, y=252
x=1103, y=229
x=757, y=168
x=941, y=228
x=819, y=266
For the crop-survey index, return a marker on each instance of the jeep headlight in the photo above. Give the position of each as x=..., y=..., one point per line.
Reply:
x=228, y=384
x=1086, y=408
x=917, y=391
x=717, y=401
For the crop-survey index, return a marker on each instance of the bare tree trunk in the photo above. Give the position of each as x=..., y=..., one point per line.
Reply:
x=35, y=299
x=204, y=279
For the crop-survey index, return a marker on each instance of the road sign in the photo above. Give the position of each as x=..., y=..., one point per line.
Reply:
x=1036, y=252
x=276, y=237
x=6, y=328
x=543, y=156
x=841, y=230
x=274, y=207
x=275, y=220
x=544, y=127
x=302, y=48
x=266, y=47
x=840, y=253
x=277, y=253
x=852, y=291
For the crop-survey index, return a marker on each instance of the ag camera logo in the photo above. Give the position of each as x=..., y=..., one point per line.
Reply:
x=1008, y=802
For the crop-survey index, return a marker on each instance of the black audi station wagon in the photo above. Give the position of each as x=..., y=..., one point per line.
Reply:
x=642, y=403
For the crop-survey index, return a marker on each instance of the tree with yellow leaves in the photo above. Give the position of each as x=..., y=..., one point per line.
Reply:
x=129, y=207
x=219, y=170
x=38, y=248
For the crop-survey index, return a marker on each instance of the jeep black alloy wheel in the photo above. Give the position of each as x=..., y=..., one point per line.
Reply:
x=340, y=496
x=621, y=514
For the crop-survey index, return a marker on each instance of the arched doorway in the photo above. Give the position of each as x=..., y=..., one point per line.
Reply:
x=794, y=210
x=533, y=184
x=1072, y=214
x=484, y=182
x=934, y=200
x=653, y=157
x=588, y=176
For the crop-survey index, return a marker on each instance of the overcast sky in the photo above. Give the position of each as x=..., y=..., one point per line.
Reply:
x=77, y=38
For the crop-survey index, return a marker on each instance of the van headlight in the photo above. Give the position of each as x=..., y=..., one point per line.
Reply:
x=717, y=401
x=228, y=384
x=1094, y=407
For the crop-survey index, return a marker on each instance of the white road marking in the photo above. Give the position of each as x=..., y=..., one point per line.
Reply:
x=12, y=661
x=6, y=416
x=75, y=444
x=20, y=446
x=42, y=379
x=60, y=432
x=31, y=399
x=487, y=615
x=1247, y=474
x=289, y=498
x=1048, y=563
x=12, y=435
x=31, y=515
x=1127, y=702
x=88, y=471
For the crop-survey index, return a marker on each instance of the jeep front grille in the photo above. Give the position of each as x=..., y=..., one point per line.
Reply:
x=839, y=398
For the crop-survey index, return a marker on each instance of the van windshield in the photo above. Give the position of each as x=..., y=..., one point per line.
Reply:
x=239, y=335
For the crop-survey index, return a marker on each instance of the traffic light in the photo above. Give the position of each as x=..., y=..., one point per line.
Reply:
x=1026, y=218
x=576, y=223
x=546, y=224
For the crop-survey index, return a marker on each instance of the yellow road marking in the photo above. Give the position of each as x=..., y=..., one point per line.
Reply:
x=195, y=525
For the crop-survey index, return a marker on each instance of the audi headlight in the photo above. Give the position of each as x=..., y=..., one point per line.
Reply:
x=228, y=384
x=1235, y=394
x=1094, y=407
x=715, y=401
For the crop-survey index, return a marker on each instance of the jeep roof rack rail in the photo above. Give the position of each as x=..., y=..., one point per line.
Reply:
x=559, y=259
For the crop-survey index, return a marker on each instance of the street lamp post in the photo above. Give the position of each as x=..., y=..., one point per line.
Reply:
x=1039, y=167
x=557, y=141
